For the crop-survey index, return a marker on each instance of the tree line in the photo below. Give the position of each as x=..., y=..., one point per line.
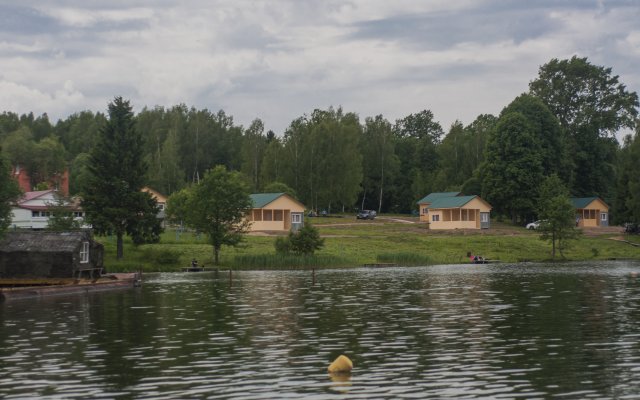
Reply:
x=333, y=160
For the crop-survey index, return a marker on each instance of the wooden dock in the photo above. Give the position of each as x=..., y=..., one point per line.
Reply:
x=380, y=265
x=17, y=288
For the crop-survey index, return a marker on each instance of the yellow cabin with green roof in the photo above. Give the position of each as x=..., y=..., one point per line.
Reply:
x=452, y=210
x=275, y=212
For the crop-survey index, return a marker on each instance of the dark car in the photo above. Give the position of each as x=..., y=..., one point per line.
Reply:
x=366, y=214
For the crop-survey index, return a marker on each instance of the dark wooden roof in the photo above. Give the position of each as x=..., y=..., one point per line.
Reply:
x=43, y=242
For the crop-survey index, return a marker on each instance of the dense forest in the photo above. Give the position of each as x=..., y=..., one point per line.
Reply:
x=566, y=124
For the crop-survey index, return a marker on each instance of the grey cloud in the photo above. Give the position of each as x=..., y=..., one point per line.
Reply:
x=445, y=29
x=20, y=20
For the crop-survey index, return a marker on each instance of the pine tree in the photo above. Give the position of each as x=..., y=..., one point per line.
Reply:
x=112, y=197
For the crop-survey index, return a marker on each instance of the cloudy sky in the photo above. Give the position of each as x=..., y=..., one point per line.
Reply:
x=278, y=60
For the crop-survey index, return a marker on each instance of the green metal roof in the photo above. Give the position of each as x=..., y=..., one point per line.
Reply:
x=450, y=202
x=437, y=195
x=582, y=202
x=262, y=199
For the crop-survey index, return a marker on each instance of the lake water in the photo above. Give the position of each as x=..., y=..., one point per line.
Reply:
x=456, y=331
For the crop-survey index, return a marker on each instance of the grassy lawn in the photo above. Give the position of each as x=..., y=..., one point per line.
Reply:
x=351, y=243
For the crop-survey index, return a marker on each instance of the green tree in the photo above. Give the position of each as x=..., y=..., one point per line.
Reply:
x=379, y=161
x=253, y=149
x=112, y=198
x=9, y=192
x=547, y=132
x=279, y=187
x=62, y=217
x=177, y=206
x=303, y=242
x=272, y=162
x=591, y=105
x=632, y=202
x=322, y=161
x=512, y=168
x=557, y=213
x=417, y=137
x=217, y=206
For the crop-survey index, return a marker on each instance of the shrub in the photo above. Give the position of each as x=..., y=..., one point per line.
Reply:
x=303, y=242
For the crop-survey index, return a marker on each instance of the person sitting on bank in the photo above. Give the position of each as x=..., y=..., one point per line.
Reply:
x=194, y=263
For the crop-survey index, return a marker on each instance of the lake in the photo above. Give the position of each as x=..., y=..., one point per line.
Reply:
x=454, y=331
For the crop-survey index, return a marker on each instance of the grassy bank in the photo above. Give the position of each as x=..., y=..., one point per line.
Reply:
x=350, y=243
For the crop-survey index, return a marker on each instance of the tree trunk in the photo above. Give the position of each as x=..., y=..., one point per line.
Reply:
x=216, y=254
x=119, y=246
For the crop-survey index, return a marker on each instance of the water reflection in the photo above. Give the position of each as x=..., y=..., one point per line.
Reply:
x=480, y=331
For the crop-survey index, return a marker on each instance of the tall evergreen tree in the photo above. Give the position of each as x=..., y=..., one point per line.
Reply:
x=112, y=198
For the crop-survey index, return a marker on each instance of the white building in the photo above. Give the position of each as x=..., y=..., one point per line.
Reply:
x=32, y=210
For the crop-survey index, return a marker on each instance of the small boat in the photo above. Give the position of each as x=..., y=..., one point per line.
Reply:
x=24, y=288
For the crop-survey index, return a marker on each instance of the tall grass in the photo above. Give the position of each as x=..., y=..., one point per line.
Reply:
x=281, y=261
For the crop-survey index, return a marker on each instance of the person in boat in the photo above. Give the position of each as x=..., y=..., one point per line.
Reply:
x=194, y=263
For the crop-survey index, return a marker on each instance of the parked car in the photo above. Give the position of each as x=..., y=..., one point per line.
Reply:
x=534, y=225
x=630, y=227
x=366, y=214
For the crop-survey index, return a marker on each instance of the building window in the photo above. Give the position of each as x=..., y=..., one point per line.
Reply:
x=435, y=218
x=296, y=218
x=161, y=206
x=603, y=217
x=484, y=217
x=267, y=215
x=35, y=214
x=257, y=215
x=84, y=253
x=425, y=211
x=278, y=215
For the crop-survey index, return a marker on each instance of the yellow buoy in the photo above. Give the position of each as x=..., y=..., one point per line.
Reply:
x=341, y=364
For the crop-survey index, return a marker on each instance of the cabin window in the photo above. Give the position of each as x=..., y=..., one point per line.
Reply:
x=78, y=214
x=484, y=217
x=160, y=206
x=278, y=215
x=296, y=218
x=257, y=215
x=435, y=218
x=603, y=217
x=84, y=253
x=425, y=210
x=267, y=215
x=35, y=214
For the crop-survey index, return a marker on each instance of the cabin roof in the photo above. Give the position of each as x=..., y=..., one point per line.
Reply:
x=583, y=202
x=262, y=199
x=42, y=242
x=451, y=202
x=430, y=198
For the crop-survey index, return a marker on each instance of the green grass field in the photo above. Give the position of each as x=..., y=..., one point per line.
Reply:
x=351, y=243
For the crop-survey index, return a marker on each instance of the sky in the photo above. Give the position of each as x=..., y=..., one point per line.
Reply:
x=280, y=60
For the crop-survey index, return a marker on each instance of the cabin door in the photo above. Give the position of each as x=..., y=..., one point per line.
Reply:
x=485, y=221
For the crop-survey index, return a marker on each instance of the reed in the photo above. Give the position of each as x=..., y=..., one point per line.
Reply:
x=281, y=261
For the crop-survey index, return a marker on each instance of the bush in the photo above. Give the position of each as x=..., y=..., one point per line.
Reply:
x=303, y=242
